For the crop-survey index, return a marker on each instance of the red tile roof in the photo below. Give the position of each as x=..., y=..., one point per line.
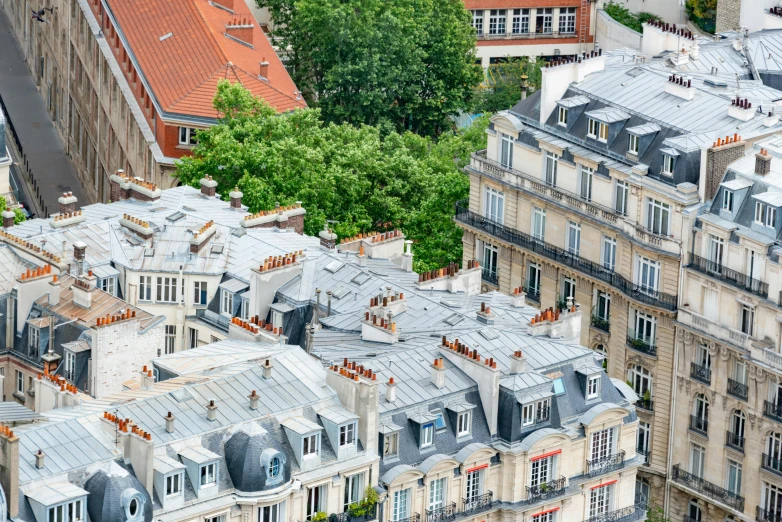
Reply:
x=183, y=69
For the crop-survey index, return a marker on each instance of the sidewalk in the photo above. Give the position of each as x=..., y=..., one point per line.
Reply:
x=41, y=148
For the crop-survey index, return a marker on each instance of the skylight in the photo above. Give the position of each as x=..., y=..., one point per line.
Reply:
x=176, y=216
x=334, y=266
x=489, y=334
x=454, y=319
x=341, y=292
x=361, y=278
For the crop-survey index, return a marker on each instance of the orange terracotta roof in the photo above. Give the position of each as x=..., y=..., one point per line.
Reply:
x=183, y=69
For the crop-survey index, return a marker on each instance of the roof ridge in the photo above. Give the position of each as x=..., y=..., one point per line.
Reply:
x=269, y=84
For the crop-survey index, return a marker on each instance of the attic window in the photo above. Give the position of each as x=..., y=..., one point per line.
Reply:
x=635, y=72
x=633, y=144
x=166, y=36
x=454, y=319
x=360, y=278
x=727, y=200
x=334, y=266
x=341, y=292
x=562, y=116
x=488, y=334
x=176, y=216
x=149, y=252
x=668, y=164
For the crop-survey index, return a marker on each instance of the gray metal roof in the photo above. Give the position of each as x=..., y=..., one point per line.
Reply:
x=12, y=411
x=337, y=414
x=469, y=449
x=537, y=435
x=596, y=410
x=392, y=474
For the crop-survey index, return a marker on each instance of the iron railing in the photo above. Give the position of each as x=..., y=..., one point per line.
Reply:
x=706, y=488
x=699, y=424
x=700, y=373
x=639, y=293
x=626, y=514
x=772, y=410
x=641, y=344
x=729, y=275
x=371, y=514
x=605, y=464
x=771, y=463
x=477, y=503
x=645, y=455
x=763, y=515
x=442, y=514
x=734, y=440
x=601, y=323
x=490, y=276
x=415, y=517
x=213, y=318
x=737, y=389
x=546, y=490
x=533, y=294
x=645, y=404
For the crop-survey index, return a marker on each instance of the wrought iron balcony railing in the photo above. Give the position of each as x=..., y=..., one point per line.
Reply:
x=371, y=514
x=477, y=503
x=763, y=515
x=734, y=440
x=601, y=323
x=772, y=410
x=606, y=464
x=728, y=275
x=637, y=292
x=632, y=513
x=546, y=490
x=771, y=463
x=641, y=343
x=442, y=514
x=415, y=517
x=533, y=294
x=645, y=404
x=737, y=389
x=706, y=488
x=699, y=424
x=490, y=276
x=700, y=373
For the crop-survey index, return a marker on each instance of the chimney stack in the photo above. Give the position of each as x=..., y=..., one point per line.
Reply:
x=236, y=198
x=79, y=251
x=169, y=422
x=40, y=459
x=267, y=369
x=517, y=363
x=211, y=411
x=264, y=69
x=8, y=218
x=328, y=239
x=208, y=187
x=67, y=203
x=762, y=162
x=254, y=400
x=438, y=373
x=147, y=379
x=54, y=291
x=391, y=390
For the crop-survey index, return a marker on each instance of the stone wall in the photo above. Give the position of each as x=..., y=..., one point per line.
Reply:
x=612, y=35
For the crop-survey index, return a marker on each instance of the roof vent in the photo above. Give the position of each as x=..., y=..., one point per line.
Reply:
x=254, y=400
x=391, y=390
x=211, y=411
x=40, y=459
x=267, y=369
x=169, y=422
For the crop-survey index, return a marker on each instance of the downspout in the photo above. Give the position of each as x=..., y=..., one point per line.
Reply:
x=67, y=99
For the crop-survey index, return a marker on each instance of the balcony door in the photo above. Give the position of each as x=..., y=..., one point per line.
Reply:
x=437, y=493
x=600, y=499
x=401, y=506
x=474, y=485
x=494, y=205
x=602, y=444
x=771, y=501
x=703, y=357
x=603, y=306
x=490, y=259
x=697, y=457
x=716, y=247
x=645, y=327
x=642, y=439
x=648, y=274
x=506, y=145
x=542, y=470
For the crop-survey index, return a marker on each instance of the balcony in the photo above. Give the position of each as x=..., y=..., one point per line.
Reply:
x=642, y=344
x=772, y=464
x=633, y=513
x=734, y=441
x=605, y=465
x=645, y=404
x=645, y=455
x=762, y=515
x=707, y=489
x=442, y=514
x=546, y=491
x=636, y=292
x=213, y=318
x=732, y=277
x=700, y=373
x=699, y=425
x=490, y=276
x=371, y=514
x=600, y=323
x=714, y=329
x=477, y=503
x=533, y=294
x=773, y=410
x=415, y=517
x=738, y=390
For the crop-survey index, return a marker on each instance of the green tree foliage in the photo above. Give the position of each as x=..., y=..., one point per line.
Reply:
x=703, y=13
x=656, y=514
x=503, y=89
x=403, y=64
x=357, y=176
x=18, y=214
x=632, y=20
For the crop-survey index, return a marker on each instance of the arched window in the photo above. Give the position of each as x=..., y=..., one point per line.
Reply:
x=773, y=456
x=736, y=432
x=694, y=511
x=699, y=420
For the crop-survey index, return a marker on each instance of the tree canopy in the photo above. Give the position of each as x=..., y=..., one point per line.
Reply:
x=504, y=88
x=356, y=175
x=401, y=64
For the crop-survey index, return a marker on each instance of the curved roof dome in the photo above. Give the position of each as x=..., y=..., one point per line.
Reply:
x=256, y=462
x=116, y=495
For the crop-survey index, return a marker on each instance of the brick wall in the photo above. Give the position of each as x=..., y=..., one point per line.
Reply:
x=717, y=161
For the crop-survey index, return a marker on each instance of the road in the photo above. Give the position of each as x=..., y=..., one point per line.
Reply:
x=41, y=147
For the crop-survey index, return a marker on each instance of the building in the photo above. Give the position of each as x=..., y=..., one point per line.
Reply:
x=128, y=86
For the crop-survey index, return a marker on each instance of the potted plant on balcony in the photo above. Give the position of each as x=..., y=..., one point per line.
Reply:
x=320, y=516
x=647, y=399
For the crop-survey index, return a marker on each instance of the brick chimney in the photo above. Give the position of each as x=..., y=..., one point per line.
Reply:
x=8, y=218
x=208, y=187
x=722, y=153
x=328, y=239
x=67, y=203
x=9, y=469
x=236, y=198
x=762, y=162
x=438, y=373
x=263, y=70
x=241, y=29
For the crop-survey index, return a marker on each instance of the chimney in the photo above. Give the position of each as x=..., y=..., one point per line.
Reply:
x=241, y=29
x=524, y=86
x=263, y=70
x=517, y=363
x=236, y=198
x=328, y=239
x=722, y=153
x=208, y=187
x=79, y=251
x=54, y=291
x=147, y=380
x=82, y=293
x=40, y=459
x=9, y=469
x=762, y=162
x=438, y=373
x=391, y=390
x=211, y=411
x=407, y=257
x=67, y=203
x=254, y=400
x=484, y=315
x=328, y=303
x=267, y=369
x=8, y=218
x=169, y=422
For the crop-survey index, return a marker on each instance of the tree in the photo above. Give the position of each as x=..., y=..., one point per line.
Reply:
x=703, y=13
x=403, y=64
x=357, y=175
x=504, y=89
x=18, y=214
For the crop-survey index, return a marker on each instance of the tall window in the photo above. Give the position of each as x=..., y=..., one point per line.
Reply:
x=192, y=338
x=694, y=511
x=593, y=128
x=600, y=500
x=586, y=182
x=642, y=439
x=533, y=279
x=490, y=259
x=544, y=20
x=109, y=285
x=574, y=237
x=773, y=458
x=632, y=146
x=703, y=356
x=199, y=293
x=209, y=474
x=552, y=162
x=497, y=21
x=269, y=513
x=542, y=470
x=316, y=500
x=602, y=444
x=33, y=341
x=437, y=493
x=401, y=506
x=539, y=224
x=620, y=201
x=751, y=263
x=174, y=484
x=145, y=288
x=568, y=288
x=494, y=205
x=645, y=327
x=474, y=485
x=353, y=489
x=648, y=275
x=227, y=302
x=19, y=382
x=697, y=460
x=347, y=435
x=520, y=21
x=609, y=253
x=700, y=412
x=746, y=319
x=166, y=289
x=727, y=200
x=427, y=435
x=668, y=164
x=170, y=338
x=658, y=215
x=391, y=445
x=640, y=379
x=716, y=247
x=567, y=19
x=477, y=21
x=739, y=373
x=506, y=150
x=603, y=306
x=765, y=215
x=562, y=116
x=737, y=421
x=70, y=366
x=593, y=387
x=771, y=501
x=463, y=424
x=72, y=511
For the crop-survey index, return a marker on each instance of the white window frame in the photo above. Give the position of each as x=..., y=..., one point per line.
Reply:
x=353, y=489
x=200, y=295
x=391, y=445
x=207, y=475
x=347, y=435
x=315, y=501
x=494, y=205
x=573, y=238
x=528, y=414
x=537, y=270
x=562, y=116
x=166, y=289
x=542, y=470
x=170, y=332
x=760, y=213
x=477, y=21
x=643, y=438
x=648, y=275
x=593, y=387
x=226, y=302
x=658, y=217
x=520, y=22
x=587, y=175
x=70, y=365
x=109, y=285
x=427, y=434
x=645, y=327
x=245, y=310
x=34, y=341
x=609, y=253
x=593, y=128
x=600, y=500
x=621, y=195
x=697, y=460
x=551, y=167
x=145, y=288
x=539, y=223
x=463, y=423
x=187, y=136
x=632, y=144
x=498, y=21
x=771, y=216
x=747, y=319
x=602, y=444
x=567, y=20
x=437, y=493
x=603, y=136
x=19, y=382
x=727, y=200
x=544, y=20
x=70, y=511
x=310, y=446
x=669, y=163
x=174, y=484
x=400, y=506
x=641, y=380
x=272, y=513
x=506, y=150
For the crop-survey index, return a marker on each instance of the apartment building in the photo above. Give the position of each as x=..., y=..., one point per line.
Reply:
x=513, y=29
x=727, y=462
x=128, y=86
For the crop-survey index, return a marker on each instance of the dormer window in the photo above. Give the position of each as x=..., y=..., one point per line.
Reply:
x=208, y=473
x=632, y=146
x=391, y=445
x=727, y=200
x=535, y=412
x=562, y=116
x=70, y=365
x=310, y=446
x=463, y=424
x=506, y=150
x=34, y=339
x=765, y=214
x=347, y=434
x=427, y=435
x=72, y=511
x=108, y=285
x=597, y=130
x=174, y=484
x=668, y=164
x=593, y=387
x=227, y=302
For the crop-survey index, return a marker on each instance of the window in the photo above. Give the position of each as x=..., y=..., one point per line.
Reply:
x=145, y=288
x=246, y=311
x=632, y=145
x=347, y=435
x=602, y=444
x=703, y=357
x=353, y=489
x=437, y=493
x=315, y=500
x=736, y=432
x=274, y=467
x=668, y=163
x=269, y=513
x=700, y=414
x=552, y=162
x=603, y=311
x=773, y=458
x=771, y=501
x=187, y=136
x=533, y=279
x=174, y=485
x=622, y=192
x=568, y=288
x=759, y=212
x=642, y=440
x=170, y=338
x=658, y=216
x=108, y=285
x=716, y=247
x=746, y=319
x=72, y=511
x=528, y=414
x=593, y=129
x=574, y=237
x=216, y=518
x=19, y=382
x=463, y=424
x=547, y=516
x=209, y=475
x=542, y=410
x=539, y=224
x=648, y=275
x=586, y=182
x=600, y=500
x=199, y=293
x=567, y=19
x=727, y=200
x=401, y=506
x=192, y=338
x=642, y=488
x=562, y=116
x=544, y=20
x=640, y=379
x=490, y=259
x=694, y=511
x=609, y=253
x=391, y=445
x=310, y=446
x=593, y=387
x=166, y=289
x=739, y=372
x=227, y=302
x=520, y=21
x=506, y=150
x=477, y=22
x=542, y=470
x=497, y=21
x=771, y=217
x=427, y=435
x=494, y=205
x=697, y=456
x=70, y=365
x=645, y=328
x=439, y=422
x=34, y=340
x=474, y=485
